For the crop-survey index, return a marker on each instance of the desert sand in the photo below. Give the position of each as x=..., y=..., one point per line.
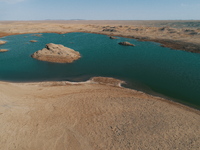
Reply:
x=97, y=114
x=173, y=34
x=92, y=116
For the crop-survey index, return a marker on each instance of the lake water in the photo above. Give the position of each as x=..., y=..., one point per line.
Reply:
x=147, y=66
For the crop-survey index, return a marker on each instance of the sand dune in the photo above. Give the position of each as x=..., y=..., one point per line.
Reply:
x=59, y=115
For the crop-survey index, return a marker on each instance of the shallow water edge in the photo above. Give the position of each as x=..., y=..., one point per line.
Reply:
x=173, y=44
x=86, y=78
x=108, y=81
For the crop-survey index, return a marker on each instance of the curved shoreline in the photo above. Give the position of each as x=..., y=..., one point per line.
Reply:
x=92, y=115
x=88, y=114
x=103, y=27
x=143, y=39
x=164, y=32
x=173, y=44
x=107, y=81
x=169, y=43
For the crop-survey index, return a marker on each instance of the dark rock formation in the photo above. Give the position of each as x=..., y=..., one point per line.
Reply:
x=110, y=30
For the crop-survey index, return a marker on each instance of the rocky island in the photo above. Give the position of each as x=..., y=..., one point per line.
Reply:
x=2, y=42
x=3, y=50
x=33, y=41
x=112, y=37
x=56, y=53
x=126, y=44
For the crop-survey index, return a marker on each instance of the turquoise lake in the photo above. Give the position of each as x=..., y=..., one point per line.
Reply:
x=147, y=66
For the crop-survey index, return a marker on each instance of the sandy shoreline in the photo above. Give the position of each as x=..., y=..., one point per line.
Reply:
x=179, y=38
x=97, y=114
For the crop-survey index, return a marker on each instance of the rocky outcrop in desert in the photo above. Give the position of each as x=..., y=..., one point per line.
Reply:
x=56, y=53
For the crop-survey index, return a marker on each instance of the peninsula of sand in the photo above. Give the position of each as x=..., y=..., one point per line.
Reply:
x=56, y=53
x=2, y=42
x=3, y=50
x=97, y=114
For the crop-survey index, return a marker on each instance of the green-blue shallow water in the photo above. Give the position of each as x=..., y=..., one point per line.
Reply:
x=147, y=66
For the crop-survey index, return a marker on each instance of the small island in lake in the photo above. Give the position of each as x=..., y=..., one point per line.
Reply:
x=3, y=50
x=112, y=37
x=126, y=44
x=56, y=53
x=2, y=42
x=33, y=41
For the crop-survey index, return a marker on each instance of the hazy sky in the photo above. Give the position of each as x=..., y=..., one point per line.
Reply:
x=99, y=9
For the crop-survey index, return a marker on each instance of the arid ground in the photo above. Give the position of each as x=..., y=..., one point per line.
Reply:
x=181, y=35
x=97, y=114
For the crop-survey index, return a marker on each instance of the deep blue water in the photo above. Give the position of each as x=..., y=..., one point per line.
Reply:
x=147, y=66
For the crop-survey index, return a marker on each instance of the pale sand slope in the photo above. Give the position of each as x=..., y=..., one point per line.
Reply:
x=45, y=116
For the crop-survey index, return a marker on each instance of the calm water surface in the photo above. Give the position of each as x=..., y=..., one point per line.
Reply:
x=147, y=66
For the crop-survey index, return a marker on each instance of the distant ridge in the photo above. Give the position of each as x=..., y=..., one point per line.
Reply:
x=62, y=19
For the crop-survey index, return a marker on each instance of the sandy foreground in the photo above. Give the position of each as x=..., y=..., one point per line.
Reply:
x=93, y=115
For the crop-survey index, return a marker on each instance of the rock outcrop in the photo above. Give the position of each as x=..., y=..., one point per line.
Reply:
x=2, y=42
x=56, y=53
x=3, y=50
x=112, y=37
x=126, y=44
x=33, y=41
x=109, y=30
